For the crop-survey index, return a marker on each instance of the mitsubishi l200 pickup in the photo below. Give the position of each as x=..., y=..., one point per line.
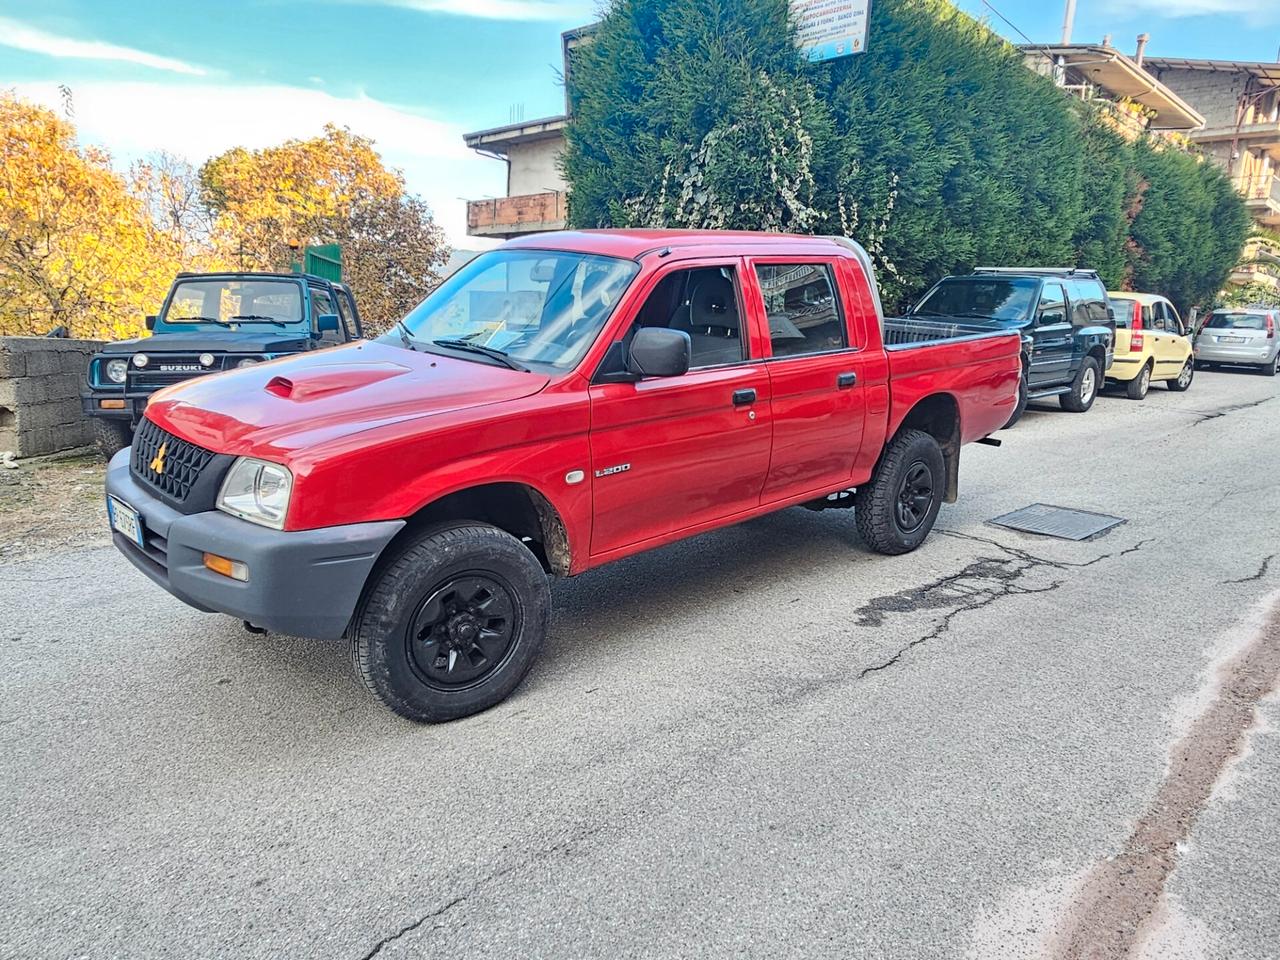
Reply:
x=562, y=401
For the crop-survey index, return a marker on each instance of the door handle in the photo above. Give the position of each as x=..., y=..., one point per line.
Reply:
x=846, y=379
x=743, y=397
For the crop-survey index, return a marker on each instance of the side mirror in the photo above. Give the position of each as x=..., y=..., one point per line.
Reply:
x=150, y=322
x=659, y=352
x=328, y=323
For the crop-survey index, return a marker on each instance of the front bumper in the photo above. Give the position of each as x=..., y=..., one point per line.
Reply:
x=134, y=407
x=304, y=583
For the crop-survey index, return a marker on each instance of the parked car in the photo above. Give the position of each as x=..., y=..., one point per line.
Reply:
x=1064, y=318
x=1151, y=344
x=560, y=402
x=1244, y=336
x=212, y=322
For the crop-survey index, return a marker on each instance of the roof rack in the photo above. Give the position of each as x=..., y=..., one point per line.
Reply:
x=1042, y=271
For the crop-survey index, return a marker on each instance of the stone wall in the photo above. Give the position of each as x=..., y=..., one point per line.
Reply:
x=40, y=381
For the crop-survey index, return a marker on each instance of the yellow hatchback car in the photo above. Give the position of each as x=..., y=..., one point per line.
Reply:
x=1151, y=344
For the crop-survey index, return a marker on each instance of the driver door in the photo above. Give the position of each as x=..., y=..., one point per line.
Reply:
x=673, y=453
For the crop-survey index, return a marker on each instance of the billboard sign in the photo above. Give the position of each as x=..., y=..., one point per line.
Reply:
x=831, y=28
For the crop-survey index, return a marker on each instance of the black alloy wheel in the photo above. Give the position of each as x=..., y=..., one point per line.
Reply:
x=915, y=497
x=463, y=631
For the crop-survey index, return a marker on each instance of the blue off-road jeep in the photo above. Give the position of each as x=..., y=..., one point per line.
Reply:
x=212, y=322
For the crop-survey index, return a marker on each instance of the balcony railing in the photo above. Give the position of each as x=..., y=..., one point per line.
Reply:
x=1262, y=187
x=509, y=216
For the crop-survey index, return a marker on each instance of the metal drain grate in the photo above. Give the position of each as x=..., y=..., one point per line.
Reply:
x=1061, y=522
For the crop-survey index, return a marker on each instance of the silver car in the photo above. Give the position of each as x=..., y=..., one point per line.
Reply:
x=1244, y=335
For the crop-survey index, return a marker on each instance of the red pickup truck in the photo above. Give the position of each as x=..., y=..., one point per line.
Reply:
x=562, y=401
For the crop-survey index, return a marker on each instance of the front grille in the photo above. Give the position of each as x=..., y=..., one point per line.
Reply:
x=182, y=463
x=152, y=377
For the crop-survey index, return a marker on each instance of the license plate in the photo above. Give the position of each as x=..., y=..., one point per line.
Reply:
x=125, y=519
x=1231, y=339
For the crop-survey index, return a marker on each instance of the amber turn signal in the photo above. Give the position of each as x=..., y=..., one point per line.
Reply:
x=228, y=568
x=111, y=404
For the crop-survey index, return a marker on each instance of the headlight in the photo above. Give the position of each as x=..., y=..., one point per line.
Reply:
x=116, y=370
x=257, y=491
x=247, y=362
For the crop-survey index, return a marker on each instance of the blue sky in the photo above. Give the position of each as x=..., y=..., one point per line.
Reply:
x=197, y=78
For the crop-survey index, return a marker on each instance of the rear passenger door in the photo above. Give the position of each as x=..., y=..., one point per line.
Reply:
x=1053, y=338
x=818, y=403
x=1169, y=346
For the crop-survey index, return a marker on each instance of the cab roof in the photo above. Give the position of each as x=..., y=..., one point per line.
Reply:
x=633, y=244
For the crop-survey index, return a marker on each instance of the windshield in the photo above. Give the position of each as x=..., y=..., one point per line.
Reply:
x=536, y=306
x=984, y=298
x=1238, y=321
x=231, y=301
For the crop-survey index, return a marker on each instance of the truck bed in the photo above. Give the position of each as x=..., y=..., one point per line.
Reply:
x=976, y=364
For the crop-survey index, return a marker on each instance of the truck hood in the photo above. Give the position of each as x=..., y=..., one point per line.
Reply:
x=277, y=408
x=257, y=340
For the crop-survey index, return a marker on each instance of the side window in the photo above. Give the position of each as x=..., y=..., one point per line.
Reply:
x=803, y=310
x=703, y=302
x=346, y=310
x=1175, y=322
x=1148, y=318
x=321, y=302
x=1159, y=321
x=1079, y=294
x=1053, y=304
x=1097, y=303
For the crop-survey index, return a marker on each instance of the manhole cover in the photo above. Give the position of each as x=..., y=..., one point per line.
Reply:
x=1061, y=522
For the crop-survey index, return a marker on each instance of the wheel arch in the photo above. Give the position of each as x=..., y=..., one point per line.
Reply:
x=516, y=508
x=939, y=416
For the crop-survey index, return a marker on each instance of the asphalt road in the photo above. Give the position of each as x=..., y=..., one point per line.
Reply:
x=765, y=742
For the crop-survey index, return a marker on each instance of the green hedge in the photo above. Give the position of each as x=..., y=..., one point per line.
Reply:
x=937, y=149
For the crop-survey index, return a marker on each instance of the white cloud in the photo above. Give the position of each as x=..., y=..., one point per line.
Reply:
x=197, y=121
x=20, y=36
x=1249, y=9
x=498, y=9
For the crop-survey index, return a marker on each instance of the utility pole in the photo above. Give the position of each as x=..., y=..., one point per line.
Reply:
x=1068, y=21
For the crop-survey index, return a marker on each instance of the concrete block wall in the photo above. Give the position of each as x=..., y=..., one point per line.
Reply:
x=40, y=381
x=1214, y=95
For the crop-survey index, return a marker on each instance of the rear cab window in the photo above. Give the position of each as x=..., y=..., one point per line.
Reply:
x=802, y=308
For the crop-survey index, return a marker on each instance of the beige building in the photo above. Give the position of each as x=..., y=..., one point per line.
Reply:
x=1241, y=105
x=1131, y=98
x=536, y=191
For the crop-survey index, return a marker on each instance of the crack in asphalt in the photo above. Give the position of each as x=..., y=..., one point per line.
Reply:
x=1222, y=412
x=979, y=584
x=1262, y=572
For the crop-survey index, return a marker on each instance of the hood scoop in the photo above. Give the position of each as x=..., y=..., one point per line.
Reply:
x=324, y=380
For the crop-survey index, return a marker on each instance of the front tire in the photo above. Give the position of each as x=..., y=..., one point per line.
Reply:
x=896, y=510
x=1084, y=389
x=451, y=626
x=111, y=436
x=1136, y=389
x=1185, y=376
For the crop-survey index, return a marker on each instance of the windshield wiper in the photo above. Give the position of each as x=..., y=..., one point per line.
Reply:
x=405, y=336
x=221, y=323
x=501, y=356
x=261, y=319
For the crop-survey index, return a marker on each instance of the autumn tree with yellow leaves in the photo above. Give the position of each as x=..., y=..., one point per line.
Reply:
x=329, y=189
x=85, y=247
x=77, y=247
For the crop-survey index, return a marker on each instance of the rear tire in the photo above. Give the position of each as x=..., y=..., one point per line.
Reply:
x=111, y=436
x=1272, y=368
x=897, y=509
x=1084, y=389
x=1136, y=389
x=1183, y=381
x=451, y=626
x=1023, y=392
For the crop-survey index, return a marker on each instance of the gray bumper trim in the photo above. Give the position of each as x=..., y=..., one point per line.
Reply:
x=303, y=583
